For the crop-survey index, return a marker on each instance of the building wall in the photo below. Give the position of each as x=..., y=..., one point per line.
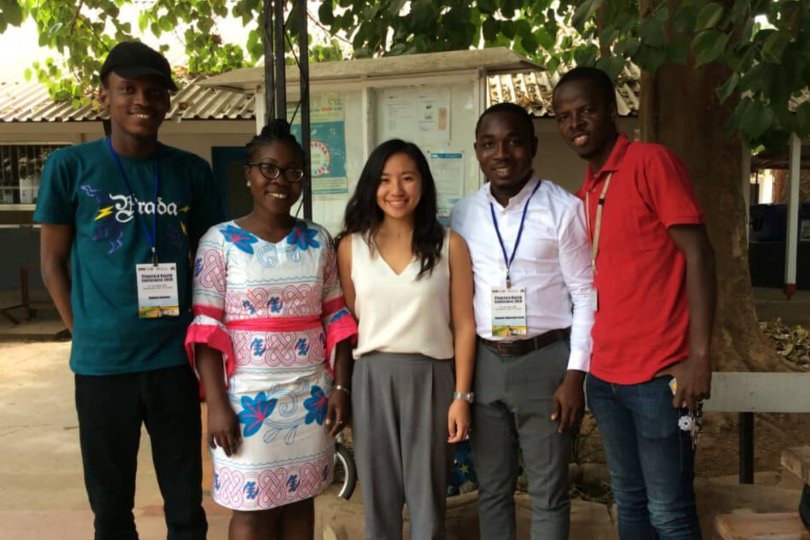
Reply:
x=554, y=161
x=196, y=136
x=21, y=242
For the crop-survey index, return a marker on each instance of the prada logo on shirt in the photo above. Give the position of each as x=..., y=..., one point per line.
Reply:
x=125, y=207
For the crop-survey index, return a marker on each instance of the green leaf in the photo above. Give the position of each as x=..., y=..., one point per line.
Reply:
x=652, y=32
x=11, y=14
x=709, y=16
x=685, y=17
x=508, y=29
x=740, y=111
x=584, y=12
x=757, y=120
x=325, y=12
x=774, y=46
x=508, y=9
x=612, y=65
x=490, y=29
x=709, y=46
x=529, y=43
x=739, y=11
x=552, y=64
x=741, y=59
x=755, y=78
x=727, y=88
x=424, y=14
x=661, y=12
x=370, y=11
x=544, y=38
x=627, y=47
x=650, y=58
x=522, y=28
x=585, y=55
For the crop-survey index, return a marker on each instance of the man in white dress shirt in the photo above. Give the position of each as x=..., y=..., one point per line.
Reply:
x=533, y=312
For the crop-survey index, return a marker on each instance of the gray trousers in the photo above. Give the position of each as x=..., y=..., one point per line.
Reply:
x=399, y=430
x=511, y=412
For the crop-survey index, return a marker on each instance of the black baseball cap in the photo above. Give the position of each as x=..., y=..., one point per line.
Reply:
x=133, y=59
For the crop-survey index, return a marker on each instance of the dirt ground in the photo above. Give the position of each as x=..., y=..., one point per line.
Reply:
x=718, y=450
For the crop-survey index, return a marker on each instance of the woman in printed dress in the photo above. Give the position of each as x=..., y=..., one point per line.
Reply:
x=269, y=314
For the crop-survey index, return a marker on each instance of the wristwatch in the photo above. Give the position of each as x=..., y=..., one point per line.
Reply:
x=469, y=397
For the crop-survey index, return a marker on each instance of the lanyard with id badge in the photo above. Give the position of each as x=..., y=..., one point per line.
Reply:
x=509, y=304
x=157, y=282
x=596, y=232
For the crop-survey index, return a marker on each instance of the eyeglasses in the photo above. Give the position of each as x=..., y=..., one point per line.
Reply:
x=271, y=172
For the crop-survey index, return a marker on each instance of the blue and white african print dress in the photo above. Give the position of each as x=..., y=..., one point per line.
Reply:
x=275, y=311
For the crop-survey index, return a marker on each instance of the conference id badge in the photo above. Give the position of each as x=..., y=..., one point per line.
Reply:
x=157, y=290
x=509, y=312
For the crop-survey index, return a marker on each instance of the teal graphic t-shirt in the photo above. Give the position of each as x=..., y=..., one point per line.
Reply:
x=82, y=186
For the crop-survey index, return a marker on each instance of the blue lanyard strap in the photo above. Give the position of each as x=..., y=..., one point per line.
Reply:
x=507, y=259
x=150, y=235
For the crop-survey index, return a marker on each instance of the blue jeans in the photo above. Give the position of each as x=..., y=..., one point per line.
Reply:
x=650, y=459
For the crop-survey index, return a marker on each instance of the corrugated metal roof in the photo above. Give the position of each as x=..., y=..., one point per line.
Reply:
x=532, y=90
x=30, y=102
x=488, y=60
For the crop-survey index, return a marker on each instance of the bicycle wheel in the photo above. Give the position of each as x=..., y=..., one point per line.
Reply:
x=344, y=463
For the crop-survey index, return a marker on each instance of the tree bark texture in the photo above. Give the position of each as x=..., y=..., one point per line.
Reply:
x=679, y=109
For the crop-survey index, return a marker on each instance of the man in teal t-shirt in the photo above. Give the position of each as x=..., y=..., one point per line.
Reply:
x=120, y=217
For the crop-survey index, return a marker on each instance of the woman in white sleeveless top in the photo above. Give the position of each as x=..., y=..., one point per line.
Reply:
x=408, y=281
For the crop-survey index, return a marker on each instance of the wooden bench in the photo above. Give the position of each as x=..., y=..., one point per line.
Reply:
x=786, y=526
x=750, y=526
x=748, y=393
x=797, y=461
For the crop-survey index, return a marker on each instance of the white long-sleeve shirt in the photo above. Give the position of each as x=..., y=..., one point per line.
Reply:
x=552, y=261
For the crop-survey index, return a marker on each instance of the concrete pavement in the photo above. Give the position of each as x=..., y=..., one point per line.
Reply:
x=42, y=492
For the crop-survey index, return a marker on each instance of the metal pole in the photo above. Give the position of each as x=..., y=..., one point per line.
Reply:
x=269, y=62
x=746, y=187
x=792, y=237
x=278, y=47
x=303, y=60
x=746, y=447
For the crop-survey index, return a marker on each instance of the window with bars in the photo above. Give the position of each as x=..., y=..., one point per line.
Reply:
x=20, y=167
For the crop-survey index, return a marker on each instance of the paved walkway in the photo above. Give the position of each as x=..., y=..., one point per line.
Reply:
x=42, y=493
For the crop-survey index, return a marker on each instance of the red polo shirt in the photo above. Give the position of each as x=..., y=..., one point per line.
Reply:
x=642, y=324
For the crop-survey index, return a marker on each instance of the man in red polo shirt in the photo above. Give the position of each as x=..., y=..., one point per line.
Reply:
x=654, y=306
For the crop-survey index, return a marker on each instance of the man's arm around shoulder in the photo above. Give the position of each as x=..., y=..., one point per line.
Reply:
x=55, y=245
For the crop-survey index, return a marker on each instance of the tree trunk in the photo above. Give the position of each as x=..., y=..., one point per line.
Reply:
x=680, y=110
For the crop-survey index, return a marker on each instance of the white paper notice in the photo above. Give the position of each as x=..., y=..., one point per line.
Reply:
x=448, y=172
x=419, y=114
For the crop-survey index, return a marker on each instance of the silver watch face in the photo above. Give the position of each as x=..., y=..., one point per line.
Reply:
x=469, y=397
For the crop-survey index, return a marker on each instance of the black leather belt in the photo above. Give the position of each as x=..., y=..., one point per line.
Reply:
x=525, y=346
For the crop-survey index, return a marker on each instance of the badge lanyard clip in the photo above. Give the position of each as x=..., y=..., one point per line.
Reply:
x=597, y=228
